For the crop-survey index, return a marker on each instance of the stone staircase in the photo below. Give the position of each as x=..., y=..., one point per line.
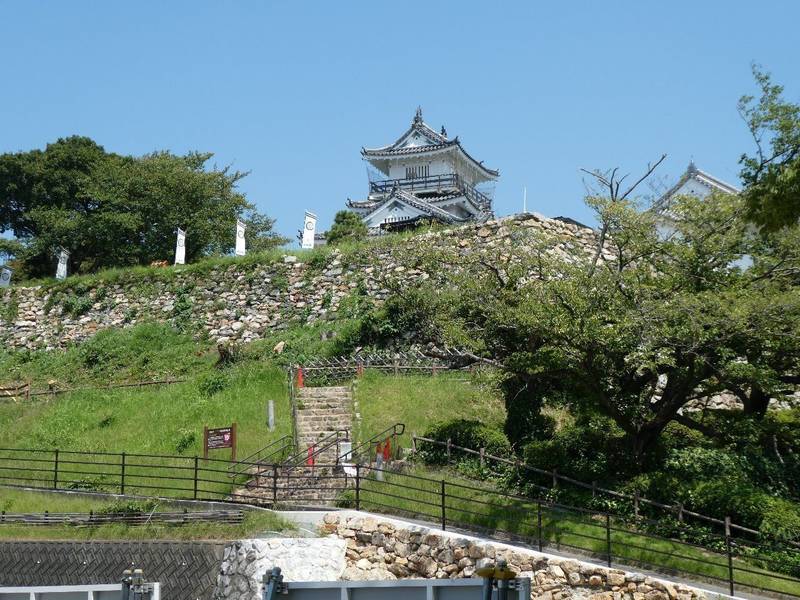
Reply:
x=321, y=412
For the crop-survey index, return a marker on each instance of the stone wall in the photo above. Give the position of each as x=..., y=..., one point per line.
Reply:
x=244, y=299
x=384, y=548
x=245, y=562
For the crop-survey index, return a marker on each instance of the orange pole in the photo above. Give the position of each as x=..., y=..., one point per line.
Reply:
x=300, y=377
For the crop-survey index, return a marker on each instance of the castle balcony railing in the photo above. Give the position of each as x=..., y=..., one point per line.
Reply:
x=438, y=183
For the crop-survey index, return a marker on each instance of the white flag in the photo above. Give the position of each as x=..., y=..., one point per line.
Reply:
x=240, y=243
x=5, y=276
x=180, y=248
x=61, y=270
x=309, y=227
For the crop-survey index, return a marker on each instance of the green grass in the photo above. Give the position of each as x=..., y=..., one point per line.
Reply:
x=421, y=400
x=158, y=420
x=255, y=521
x=418, y=493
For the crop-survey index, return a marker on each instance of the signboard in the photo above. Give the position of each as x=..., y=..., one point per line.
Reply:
x=180, y=248
x=240, y=243
x=219, y=438
x=309, y=227
x=61, y=270
x=5, y=277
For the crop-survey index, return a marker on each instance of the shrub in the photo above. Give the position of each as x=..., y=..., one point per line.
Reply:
x=591, y=449
x=463, y=432
x=212, y=383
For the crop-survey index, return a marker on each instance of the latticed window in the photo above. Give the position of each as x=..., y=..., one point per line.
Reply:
x=418, y=171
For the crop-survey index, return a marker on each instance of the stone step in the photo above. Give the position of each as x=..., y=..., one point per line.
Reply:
x=310, y=412
x=322, y=403
x=322, y=391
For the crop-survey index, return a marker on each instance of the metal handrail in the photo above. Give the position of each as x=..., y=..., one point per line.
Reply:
x=635, y=498
x=319, y=447
x=356, y=453
x=432, y=182
x=259, y=457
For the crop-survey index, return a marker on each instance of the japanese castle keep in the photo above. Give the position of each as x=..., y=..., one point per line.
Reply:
x=423, y=177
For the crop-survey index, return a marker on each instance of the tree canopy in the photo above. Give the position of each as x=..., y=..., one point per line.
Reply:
x=347, y=226
x=659, y=321
x=772, y=174
x=110, y=210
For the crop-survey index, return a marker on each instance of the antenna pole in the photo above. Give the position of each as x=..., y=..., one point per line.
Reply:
x=524, y=199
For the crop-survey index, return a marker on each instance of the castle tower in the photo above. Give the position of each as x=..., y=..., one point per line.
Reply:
x=423, y=177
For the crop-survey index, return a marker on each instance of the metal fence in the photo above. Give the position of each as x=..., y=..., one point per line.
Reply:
x=726, y=560
x=553, y=480
x=326, y=371
x=18, y=391
x=93, y=519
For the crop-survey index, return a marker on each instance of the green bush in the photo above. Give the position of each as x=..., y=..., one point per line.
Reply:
x=466, y=433
x=212, y=383
x=591, y=449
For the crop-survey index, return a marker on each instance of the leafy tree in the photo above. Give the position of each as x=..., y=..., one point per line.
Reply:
x=772, y=175
x=110, y=210
x=347, y=226
x=655, y=323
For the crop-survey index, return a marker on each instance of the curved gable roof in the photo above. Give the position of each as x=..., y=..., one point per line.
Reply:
x=435, y=142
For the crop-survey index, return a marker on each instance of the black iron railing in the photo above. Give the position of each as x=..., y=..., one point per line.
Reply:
x=365, y=451
x=740, y=565
x=433, y=183
x=275, y=451
x=552, y=480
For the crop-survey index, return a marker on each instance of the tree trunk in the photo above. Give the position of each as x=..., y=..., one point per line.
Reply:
x=756, y=402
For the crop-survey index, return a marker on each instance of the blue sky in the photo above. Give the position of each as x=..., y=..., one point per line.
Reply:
x=292, y=90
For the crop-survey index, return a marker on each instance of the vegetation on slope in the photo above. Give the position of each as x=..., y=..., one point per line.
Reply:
x=255, y=522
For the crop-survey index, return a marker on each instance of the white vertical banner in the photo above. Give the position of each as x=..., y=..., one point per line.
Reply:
x=61, y=269
x=309, y=228
x=180, y=248
x=5, y=277
x=240, y=243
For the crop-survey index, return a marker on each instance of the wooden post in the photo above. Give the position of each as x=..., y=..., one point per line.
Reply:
x=205, y=443
x=636, y=503
x=483, y=457
x=233, y=442
x=594, y=489
x=680, y=512
x=413, y=442
x=555, y=478
x=449, y=440
x=396, y=364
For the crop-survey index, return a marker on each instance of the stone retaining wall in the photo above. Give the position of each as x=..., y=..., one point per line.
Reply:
x=245, y=300
x=245, y=562
x=383, y=548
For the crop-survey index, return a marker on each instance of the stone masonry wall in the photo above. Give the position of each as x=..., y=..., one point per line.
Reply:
x=244, y=300
x=245, y=562
x=360, y=546
x=384, y=548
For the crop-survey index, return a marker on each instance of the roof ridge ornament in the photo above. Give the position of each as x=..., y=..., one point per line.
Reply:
x=418, y=116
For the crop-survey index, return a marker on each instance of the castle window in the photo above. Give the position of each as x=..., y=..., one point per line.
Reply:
x=418, y=171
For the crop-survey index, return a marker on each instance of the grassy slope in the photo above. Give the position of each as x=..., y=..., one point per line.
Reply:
x=421, y=400
x=18, y=501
